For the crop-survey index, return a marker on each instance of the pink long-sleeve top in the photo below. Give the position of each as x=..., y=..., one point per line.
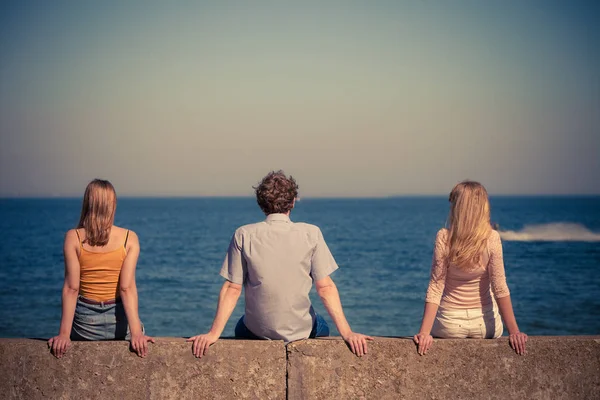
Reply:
x=454, y=287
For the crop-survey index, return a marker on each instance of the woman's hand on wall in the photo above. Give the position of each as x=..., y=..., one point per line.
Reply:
x=424, y=342
x=139, y=344
x=517, y=342
x=59, y=345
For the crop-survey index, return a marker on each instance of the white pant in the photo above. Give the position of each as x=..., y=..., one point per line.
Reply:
x=481, y=323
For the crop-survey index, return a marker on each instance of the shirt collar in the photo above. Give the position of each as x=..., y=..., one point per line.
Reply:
x=278, y=217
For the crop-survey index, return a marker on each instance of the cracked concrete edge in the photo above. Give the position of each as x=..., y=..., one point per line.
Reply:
x=308, y=369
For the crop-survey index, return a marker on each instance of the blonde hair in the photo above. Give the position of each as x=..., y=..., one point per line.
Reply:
x=468, y=224
x=98, y=212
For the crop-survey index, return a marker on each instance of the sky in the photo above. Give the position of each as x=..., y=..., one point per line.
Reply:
x=353, y=98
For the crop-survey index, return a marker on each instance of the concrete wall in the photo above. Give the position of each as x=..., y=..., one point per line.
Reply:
x=554, y=368
x=233, y=369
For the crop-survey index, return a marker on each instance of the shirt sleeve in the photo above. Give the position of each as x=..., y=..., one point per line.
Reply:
x=234, y=266
x=322, y=261
x=496, y=267
x=439, y=269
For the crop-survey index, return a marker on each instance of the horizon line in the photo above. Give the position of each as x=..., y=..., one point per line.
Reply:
x=300, y=198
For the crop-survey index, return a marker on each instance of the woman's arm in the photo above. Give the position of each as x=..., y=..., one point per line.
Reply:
x=502, y=294
x=437, y=283
x=517, y=339
x=60, y=343
x=129, y=296
x=228, y=297
x=331, y=300
x=423, y=339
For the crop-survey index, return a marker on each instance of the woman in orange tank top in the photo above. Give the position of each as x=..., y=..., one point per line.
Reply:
x=467, y=291
x=99, y=297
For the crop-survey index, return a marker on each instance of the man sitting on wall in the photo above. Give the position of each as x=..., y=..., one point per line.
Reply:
x=277, y=261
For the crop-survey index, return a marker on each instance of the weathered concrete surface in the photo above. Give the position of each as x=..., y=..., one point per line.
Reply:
x=233, y=369
x=553, y=368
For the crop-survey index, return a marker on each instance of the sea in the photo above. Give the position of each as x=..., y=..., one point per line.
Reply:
x=383, y=247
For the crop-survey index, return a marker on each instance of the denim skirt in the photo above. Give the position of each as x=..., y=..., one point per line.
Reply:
x=100, y=321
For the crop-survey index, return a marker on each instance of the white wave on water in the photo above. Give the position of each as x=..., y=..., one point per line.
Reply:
x=555, y=232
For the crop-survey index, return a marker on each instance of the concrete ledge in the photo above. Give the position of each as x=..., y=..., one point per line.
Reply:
x=233, y=369
x=553, y=368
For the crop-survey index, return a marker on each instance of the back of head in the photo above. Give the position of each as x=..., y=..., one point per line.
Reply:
x=469, y=223
x=98, y=212
x=276, y=193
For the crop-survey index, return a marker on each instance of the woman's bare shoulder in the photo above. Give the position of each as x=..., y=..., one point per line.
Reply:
x=126, y=235
x=72, y=241
x=133, y=236
x=72, y=234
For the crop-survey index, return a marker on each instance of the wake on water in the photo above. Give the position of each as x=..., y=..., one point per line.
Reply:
x=555, y=232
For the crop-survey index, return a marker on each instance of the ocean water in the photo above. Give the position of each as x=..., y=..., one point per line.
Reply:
x=383, y=246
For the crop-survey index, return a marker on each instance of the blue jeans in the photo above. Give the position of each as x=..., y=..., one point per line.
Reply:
x=100, y=322
x=319, y=329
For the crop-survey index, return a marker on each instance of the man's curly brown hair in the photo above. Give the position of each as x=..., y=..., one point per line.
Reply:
x=276, y=193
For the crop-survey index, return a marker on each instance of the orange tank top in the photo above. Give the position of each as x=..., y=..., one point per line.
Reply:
x=99, y=272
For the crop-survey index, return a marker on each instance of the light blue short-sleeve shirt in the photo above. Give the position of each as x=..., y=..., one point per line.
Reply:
x=277, y=261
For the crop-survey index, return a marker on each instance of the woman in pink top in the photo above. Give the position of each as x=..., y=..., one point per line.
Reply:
x=467, y=287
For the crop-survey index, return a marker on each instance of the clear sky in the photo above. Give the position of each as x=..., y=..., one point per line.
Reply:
x=369, y=98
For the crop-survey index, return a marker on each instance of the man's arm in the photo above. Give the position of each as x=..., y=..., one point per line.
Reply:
x=228, y=297
x=331, y=300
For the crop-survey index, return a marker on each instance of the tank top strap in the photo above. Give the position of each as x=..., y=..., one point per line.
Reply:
x=78, y=237
x=126, y=237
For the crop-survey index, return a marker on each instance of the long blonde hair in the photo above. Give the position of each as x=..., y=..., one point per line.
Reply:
x=468, y=224
x=98, y=212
